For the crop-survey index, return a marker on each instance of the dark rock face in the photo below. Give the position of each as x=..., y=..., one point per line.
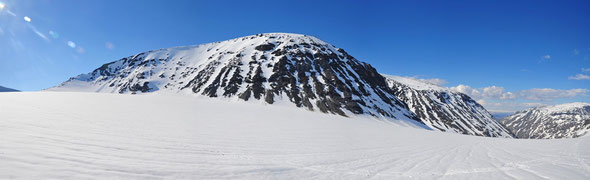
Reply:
x=446, y=110
x=551, y=122
x=5, y=89
x=299, y=69
x=265, y=47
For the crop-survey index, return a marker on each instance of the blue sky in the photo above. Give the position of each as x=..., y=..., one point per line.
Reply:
x=508, y=55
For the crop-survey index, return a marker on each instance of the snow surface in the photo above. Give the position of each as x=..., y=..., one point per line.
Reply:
x=65, y=135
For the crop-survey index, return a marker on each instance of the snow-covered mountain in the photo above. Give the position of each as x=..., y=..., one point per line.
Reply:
x=5, y=89
x=273, y=67
x=282, y=68
x=444, y=109
x=550, y=122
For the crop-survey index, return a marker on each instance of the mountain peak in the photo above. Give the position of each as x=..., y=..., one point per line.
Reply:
x=281, y=68
x=270, y=67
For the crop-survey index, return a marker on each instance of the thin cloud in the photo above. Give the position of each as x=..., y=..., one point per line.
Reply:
x=579, y=77
x=503, y=106
x=585, y=69
x=490, y=92
x=576, y=52
x=548, y=94
x=546, y=57
x=435, y=81
x=537, y=94
x=109, y=45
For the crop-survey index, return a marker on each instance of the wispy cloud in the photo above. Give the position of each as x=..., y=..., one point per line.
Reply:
x=548, y=94
x=504, y=106
x=579, y=77
x=497, y=99
x=525, y=70
x=546, y=57
x=439, y=82
x=537, y=94
x=435, y=81
x=576, y=52
x=585, y=69
x=491, y=92
x=109, y=45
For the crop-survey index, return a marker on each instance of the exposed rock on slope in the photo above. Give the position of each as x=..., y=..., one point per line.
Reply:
x=550, y=122
x=272, y=67
x=444, y=109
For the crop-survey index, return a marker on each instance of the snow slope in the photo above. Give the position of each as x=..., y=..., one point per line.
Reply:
x=65, y=135
x=444, y=109
x=549, y=122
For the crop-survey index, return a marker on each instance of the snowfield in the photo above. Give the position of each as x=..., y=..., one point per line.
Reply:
x=66, y=135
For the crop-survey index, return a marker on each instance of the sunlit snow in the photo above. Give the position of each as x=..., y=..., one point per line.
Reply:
x=65, y=135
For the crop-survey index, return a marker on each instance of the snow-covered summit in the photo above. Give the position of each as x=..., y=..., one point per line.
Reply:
x=273, y=68
x=286, y=69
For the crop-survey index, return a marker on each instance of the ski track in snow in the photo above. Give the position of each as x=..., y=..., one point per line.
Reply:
x=52, y=135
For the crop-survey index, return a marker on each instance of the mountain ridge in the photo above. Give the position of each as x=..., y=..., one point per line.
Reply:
x=444, y=109
x=568, y=120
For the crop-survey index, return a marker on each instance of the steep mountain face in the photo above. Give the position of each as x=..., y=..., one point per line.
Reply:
x=5, y=89
x=274, y=68
x=446, y=110
x=550, y=122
